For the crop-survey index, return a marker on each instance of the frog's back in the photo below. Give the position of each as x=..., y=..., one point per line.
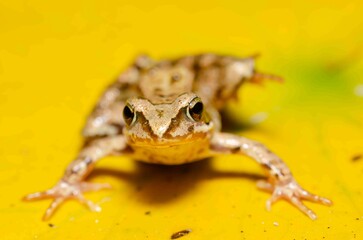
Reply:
x=214, y=78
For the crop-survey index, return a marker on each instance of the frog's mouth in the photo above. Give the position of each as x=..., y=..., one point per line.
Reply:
x=171, y=153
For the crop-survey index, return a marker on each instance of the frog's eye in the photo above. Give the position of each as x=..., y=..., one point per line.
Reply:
x=195, y=109
x=129, y=115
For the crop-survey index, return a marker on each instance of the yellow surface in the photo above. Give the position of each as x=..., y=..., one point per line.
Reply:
x=56, y=57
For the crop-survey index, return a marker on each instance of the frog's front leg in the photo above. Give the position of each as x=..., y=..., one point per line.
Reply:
x=72, y=184
x=280, y=180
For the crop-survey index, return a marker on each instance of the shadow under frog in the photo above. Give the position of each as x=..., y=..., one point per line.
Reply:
x=155, y=184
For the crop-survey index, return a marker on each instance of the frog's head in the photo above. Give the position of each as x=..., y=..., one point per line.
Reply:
x=182, y=120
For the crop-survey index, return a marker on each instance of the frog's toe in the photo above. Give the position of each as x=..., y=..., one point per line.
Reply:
x=53, y=207
x=297, y=203
x=315, y=198
x=88, y=203
x=63, y=191
x=39, y=195
x=274, y=198
x=87, y=187
x=265, y=186
x=75, y=195
x=293, y=193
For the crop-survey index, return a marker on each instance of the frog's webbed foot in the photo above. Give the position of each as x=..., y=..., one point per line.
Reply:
x=293, y=193
x=64, y=190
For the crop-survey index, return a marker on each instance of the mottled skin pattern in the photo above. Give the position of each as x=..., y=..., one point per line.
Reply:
x=167, y=112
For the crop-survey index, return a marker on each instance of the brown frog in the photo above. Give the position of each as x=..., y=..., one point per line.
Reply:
x=167, y=112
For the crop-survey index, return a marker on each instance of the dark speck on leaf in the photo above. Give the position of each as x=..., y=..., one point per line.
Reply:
x=147, y=213
x=51, y=225
x=357, y=157
x=181, y=233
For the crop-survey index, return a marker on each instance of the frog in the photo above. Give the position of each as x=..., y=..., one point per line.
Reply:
x=169, y=112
